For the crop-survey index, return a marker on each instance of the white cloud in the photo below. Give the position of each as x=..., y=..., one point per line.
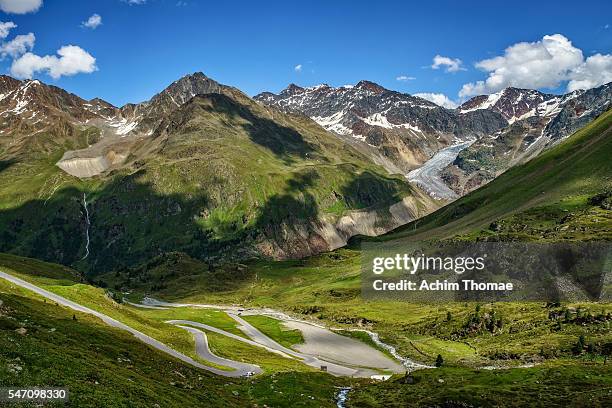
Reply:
x=298, y=68
x=5, y=28
x=72, y=60
x=541, y=64
x=595, y=71
x=92, y=22
x=404, y=78
x=451, y=64
x=546, y=63
x=438, y=98
x=18, y=45
x=136, y=2
x=20, y=6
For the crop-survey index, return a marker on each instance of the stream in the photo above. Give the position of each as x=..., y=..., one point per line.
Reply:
x=342, y=396
x=409, y=364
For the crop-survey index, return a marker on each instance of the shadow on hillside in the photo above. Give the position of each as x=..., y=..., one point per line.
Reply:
x=286, y=216
x=294, y=203
x=6, y=164
x=366, y=190
x=130, y=222
x=284, y=142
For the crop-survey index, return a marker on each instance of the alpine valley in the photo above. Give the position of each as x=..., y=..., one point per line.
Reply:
x=225, y=175
x=204, y=248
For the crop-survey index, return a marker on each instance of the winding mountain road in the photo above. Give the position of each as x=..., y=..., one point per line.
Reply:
x=203, y=351
x=322, y=345
x=309, y=359
x=258, y=339
x=241, y=368
x=340, y=363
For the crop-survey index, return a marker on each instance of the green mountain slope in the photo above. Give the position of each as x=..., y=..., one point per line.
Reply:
x=220, y=176
x=565, y=187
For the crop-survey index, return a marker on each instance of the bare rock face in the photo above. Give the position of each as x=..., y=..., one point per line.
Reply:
x=326, y=234
x=512, y=103
x=85, y=167
x=536, y=121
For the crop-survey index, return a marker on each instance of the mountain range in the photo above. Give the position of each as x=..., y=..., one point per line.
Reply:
x=402, y=132
x=199, y=168
x=229, y=176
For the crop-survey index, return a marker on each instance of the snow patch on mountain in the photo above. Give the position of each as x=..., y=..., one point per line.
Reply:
x=333, y=123
x=486, y=104
x=379, y=119
x=123, y=126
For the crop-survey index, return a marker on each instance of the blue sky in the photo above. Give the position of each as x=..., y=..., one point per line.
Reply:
x=141, y=48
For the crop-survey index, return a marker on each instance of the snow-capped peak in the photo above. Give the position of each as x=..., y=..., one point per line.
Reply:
x=513, y=103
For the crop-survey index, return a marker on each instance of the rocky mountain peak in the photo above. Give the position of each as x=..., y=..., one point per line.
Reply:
x=402, y=132
x=36, y=103
x=187, y=87
x=370, y=86
x=398, y=130
x=292, y=89
x=101, y=102
x=8, y=83
x=512, y=103
x=473, y=103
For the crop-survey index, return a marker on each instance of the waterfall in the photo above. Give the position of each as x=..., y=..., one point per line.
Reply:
x=87, y=223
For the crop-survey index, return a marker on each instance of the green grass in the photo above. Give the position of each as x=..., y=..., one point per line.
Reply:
x=212, y=317
x=152, y=322
x=536, y=195
x=270, y=362
x=562, y=383
x=102, y=366
x=275, y=329
x=41, y=269
x=327, y=289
